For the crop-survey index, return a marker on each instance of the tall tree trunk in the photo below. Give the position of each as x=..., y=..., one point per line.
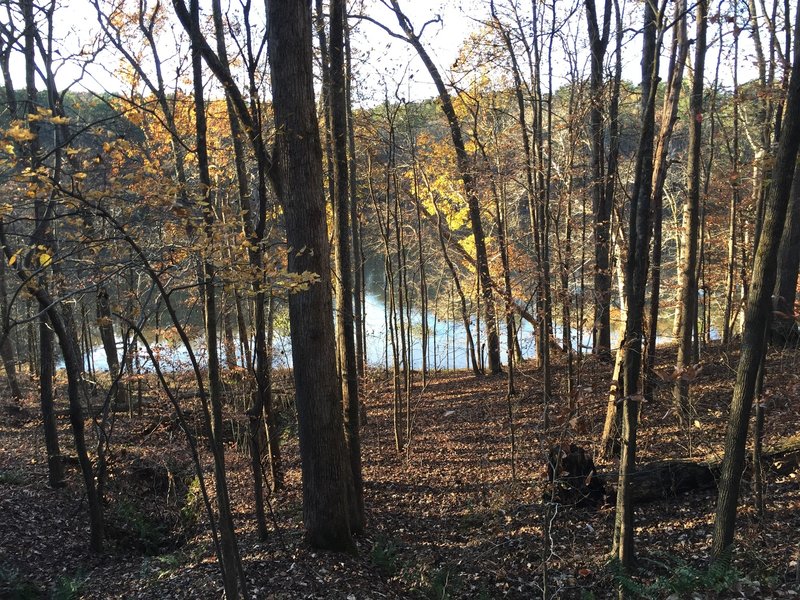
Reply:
x=297, y=178
x=42, y=238
x=757, y=315
x=601, y=206
x=611, y=431
x=730, y=282
x=254, y=229
x=691, y=221
x=525, y=136
x=254, y=217
x=635, y=284
x=343, y=258
x=423, y=283
x=355, y=225
x=233, y=575
x=669, y=116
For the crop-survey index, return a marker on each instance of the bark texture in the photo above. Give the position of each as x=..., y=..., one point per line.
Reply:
x=297, y=176
x=757, y=315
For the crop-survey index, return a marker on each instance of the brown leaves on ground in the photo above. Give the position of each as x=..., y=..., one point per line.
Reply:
x=445, y=517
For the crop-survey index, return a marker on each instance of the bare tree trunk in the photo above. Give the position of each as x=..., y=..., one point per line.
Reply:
x=727, y=325
x=598, y=41
x=611, y=429
x=42, y=237
x=691, y=221
x=232, y=573
x=757, y=315
x=297, y=177
x=423, y=283
x=635, y=284
x=669, y=116
x=358, y=270
x=389, y=291
x=343, y=259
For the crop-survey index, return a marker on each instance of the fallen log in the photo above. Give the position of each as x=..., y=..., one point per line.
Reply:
x=665, y=479
x=669, y=478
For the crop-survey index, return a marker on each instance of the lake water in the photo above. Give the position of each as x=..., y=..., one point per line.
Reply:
x=447, y=349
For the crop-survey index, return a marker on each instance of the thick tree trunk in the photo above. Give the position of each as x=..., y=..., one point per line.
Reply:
x=297, y=177
x=757, y=315
x=666, y=479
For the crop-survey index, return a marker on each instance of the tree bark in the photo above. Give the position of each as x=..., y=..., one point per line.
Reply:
x=601, y=206
x=297, y=177
x=635, y=284
x=343, y=258
x=757, y=315
x=691, y=221
x=784, y=328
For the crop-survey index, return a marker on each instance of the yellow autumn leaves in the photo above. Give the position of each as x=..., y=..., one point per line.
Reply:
x=19, y=130
x=43, y=257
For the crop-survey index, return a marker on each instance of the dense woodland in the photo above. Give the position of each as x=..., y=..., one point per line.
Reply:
x=269, y=333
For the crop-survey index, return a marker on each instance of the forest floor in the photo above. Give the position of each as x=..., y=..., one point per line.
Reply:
x=446, y=519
